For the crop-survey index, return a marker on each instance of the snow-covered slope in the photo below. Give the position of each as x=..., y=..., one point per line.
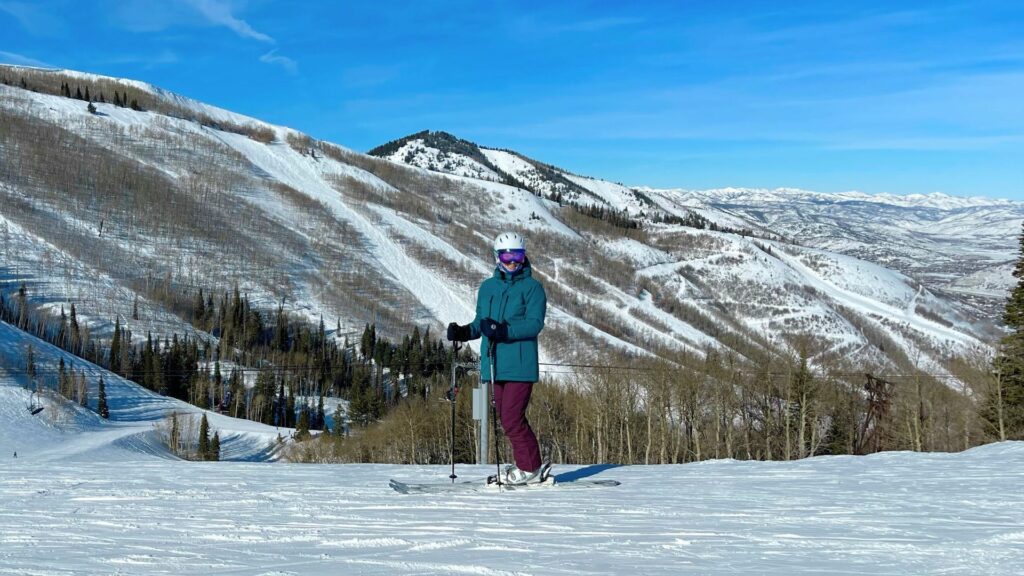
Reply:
x=359, y=239
x=88, y=496
x=892, y=513
x=957, y=246
x=64, y=431
x=950, y=244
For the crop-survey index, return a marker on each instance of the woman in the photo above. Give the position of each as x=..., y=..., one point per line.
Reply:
x=510, y=309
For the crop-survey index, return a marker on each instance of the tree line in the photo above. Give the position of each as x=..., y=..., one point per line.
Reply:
x=295, y=365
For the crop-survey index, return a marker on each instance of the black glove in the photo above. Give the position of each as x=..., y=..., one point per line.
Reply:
x=494, y=330
x=457, y=333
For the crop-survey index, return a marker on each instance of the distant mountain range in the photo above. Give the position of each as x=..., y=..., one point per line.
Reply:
x=963, y=248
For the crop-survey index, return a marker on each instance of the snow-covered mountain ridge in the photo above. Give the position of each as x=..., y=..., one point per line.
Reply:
x=959, y=246
x=360, y=239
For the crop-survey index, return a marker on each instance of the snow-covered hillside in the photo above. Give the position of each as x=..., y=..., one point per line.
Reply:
x=353, y=239
x=959, y=246
x=124, y=510
x=64, y=431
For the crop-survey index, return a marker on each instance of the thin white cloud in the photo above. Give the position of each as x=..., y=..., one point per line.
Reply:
x=220, y=13
x=33, y=18
x=283, y=61
x=20, y=60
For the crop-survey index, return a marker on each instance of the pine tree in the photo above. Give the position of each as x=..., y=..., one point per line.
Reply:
x=103, y=409
x=199, y=310
x=23, y=307
x=1003, y=410
x=78, y=93
x=91, y=108
x=150, y=364
x=87, y=98
x=338, y=422
x=30, y=368
x=281, y=331
x=321, y=419
x=127, y=355
x=115, y=348
x=204, y=439
x=364, y=342
x=215, y=447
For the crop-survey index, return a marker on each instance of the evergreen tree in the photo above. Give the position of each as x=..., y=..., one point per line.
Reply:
x=62, y=330
x=281, y=331
x=218, y=381
x=103, y=409
x=364, y=342
x=115, y=348
x=91, y=108
x=78, y=93
x=30, y=368
x=339, y=422
x=127, y=355
x=87, y=98
x=204, y=439
x=76, y=334
x=1003, y=409
x=199, y=311
x=215, y=447
x=23, y=307
x=321, y=419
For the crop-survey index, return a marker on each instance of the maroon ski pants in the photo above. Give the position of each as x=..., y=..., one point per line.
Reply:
x=511, y=400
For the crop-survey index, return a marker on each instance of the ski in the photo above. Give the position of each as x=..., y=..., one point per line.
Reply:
x=483, y=486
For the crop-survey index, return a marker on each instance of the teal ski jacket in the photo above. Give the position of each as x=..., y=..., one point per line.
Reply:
x=519, y=300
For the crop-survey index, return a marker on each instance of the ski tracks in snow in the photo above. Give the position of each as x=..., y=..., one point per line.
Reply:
x=892, y=513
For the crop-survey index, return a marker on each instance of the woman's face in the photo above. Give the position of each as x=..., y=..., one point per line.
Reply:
x=512, y=260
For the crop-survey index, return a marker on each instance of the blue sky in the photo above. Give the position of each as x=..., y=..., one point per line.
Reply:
x=900, y=97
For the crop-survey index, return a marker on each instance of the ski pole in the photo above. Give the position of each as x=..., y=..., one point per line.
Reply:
x=452, y=394
x=493, y=352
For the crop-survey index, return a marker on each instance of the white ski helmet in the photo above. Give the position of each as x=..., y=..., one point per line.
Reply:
x=508, y=241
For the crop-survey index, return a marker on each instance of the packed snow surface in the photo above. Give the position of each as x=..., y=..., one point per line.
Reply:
x=895, y=513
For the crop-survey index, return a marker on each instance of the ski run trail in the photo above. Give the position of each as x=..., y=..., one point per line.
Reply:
x=126, y=511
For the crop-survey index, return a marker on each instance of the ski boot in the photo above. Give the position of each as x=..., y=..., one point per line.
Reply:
x=513, y=476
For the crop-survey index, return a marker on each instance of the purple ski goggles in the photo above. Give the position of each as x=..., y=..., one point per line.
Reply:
x=510, y=256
